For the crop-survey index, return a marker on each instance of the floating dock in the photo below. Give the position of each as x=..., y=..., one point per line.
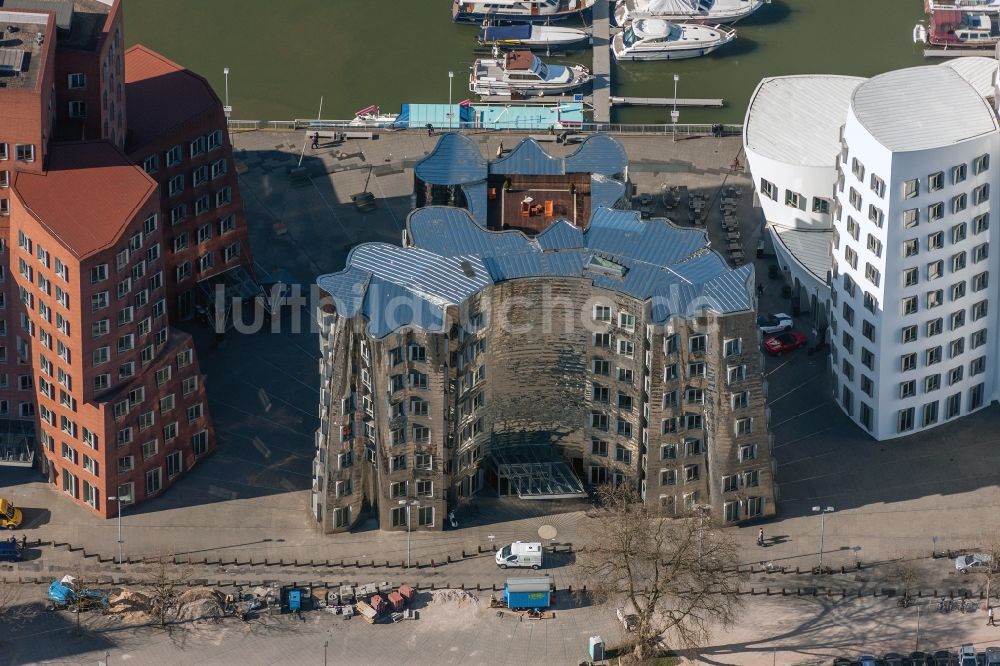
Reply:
x=601, y=41
x=957, y=53
x=667, y=101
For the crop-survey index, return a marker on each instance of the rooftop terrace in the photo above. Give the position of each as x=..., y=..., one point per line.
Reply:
x=22, y=42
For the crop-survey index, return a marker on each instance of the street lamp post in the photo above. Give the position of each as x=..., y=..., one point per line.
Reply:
x=822, y=530
x=675, y=114
x=451, y=76
x=326, y=644
x=408, y=505
x=119, y=500
x=228, y=109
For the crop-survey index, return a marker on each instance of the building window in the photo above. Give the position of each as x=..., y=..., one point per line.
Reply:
x=24, y=152
x=154, y=481
x=821, y=206
x=77, y=109
x=911, y=188
x=981, y=164
x=958, y=173
x=905, y=420
x=769, y=189
x=935, y=211
x=793, y=199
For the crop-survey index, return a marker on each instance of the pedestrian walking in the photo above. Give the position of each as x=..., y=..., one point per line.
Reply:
x=315, y=143
x=989, y=615
x=760, y=537
x=760, y=289
x=24, y=542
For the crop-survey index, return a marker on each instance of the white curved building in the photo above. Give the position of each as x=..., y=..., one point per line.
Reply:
x=910, y=294
x=901, y=262
x=791, y=137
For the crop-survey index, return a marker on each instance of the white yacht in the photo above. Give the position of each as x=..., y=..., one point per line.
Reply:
x=532, y=11
x=523, y=74
x=372, y=116
x=531, y=36
x=656, y=39
x=710, y=11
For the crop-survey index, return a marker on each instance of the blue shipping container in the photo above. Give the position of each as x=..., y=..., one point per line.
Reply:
x=528, y=592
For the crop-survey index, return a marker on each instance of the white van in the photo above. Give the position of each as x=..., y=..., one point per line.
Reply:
x=520, y=554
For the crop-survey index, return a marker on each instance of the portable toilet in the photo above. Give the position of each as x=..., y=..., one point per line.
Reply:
x=294, y=600
x=528, y=592
x=596, y=650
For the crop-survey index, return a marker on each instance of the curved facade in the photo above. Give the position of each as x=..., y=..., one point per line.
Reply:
x=619, y=350
x=791, y=136
x=910, y=294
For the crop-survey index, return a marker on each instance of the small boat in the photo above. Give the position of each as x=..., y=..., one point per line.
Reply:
x=530, y=36
x=522, y=73
x=371, y=116
x=532, y=11
x=656, y=39
x=919, y=34
x=711, y=11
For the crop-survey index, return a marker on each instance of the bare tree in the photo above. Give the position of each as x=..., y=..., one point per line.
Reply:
x=164, y=585
x=992, y=571
x=13, y=609
x=905, y=574
x=670, y=577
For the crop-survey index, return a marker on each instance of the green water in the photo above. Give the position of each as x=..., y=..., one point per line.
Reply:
x=285, y=55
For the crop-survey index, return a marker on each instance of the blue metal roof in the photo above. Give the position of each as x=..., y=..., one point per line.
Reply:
x=528, y=158
x=605, y=192
x=561, y=235
x=455, y=160
x=599, y=153
x=453, y=256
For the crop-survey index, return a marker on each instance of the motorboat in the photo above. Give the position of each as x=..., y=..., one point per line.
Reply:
x=522, y=73
x=371, y=116
x=966, y=25
x=530, y=36
x=657, y=39
x=709, y=11
x=532, y=11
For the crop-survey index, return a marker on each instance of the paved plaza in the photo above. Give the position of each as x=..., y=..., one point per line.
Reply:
x=900, y=499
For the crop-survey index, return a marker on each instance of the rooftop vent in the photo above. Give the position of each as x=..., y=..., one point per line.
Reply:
x=602, y=265
x=12, y=61
x=467, y=268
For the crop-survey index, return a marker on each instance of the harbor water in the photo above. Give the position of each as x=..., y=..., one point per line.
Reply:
x=284, y=56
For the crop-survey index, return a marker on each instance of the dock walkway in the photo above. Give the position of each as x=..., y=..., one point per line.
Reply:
x=601, y=97
x=666, y=101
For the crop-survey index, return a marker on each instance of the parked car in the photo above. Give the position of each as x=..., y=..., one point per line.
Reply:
x=892, y=659
x=967, y=656
x=776, y=345
x=920, y=658
x=944, y=658
x=774, y=323
x=992, y=656
x=10, y=550
x=973, y=562
x=868, y=660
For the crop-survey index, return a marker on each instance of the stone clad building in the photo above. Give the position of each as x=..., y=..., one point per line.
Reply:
x=505, y=349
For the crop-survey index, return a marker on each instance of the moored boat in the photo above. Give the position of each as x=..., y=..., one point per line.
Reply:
x=371, y=116
x=960, y=24
x=530, y=36
x=710, y=11
x=522, y=73
x=657, y=39
x=533, y=11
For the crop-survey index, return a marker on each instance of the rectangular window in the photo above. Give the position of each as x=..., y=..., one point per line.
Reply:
x=911, y=188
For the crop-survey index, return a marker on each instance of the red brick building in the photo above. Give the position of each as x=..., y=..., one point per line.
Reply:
x=96, y=261
x=177, y=132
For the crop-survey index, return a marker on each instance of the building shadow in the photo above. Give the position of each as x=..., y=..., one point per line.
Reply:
x=262, y=376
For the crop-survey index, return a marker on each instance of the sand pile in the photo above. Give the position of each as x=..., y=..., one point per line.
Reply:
x=130, y=607
x=200, y=603
x=460, y=597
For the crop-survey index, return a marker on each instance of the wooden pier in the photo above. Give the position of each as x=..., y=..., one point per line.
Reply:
x=601, y=41
x=667, y=101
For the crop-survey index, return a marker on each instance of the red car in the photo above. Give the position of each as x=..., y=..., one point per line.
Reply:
x=776, y=345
